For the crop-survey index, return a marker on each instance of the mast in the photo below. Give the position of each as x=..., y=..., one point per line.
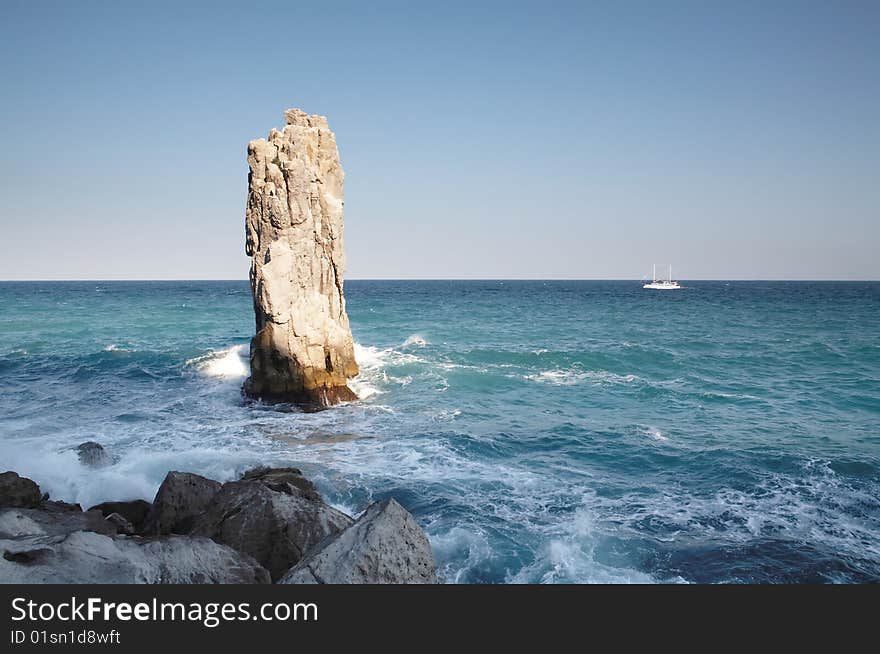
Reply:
x=654, y=276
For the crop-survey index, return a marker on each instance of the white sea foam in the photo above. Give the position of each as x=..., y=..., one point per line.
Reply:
x=363, y=388
x=574, y=375
x=229, y=364
x=415, y=339
x=569, y=556
x=468, y=547
x=371, y=357
x=653, y=433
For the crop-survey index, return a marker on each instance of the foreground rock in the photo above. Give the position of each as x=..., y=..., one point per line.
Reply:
x=303, y=350
x=18, y=491
x=182, y=497
x=385, y=546
x=270, y=517
x=39, y=522
x=87, y=557
x=270, y=524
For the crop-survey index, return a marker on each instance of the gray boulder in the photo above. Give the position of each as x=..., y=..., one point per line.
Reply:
x=182, y=497
x=385, y=546
x=88, y=557
x=276, y=523
x=93, y=455
x=18, y=491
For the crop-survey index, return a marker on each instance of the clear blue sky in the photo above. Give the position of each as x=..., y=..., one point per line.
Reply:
x=543, y=139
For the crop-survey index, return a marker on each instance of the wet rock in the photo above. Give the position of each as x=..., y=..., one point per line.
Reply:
x=135, y=511
x=182, y=497
x=87, y=557
x=93, y=454
x=281, y=479
x=385, y=546
x=16, y=491
x=276, y=527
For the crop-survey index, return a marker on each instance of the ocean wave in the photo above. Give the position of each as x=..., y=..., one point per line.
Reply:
x=811, y=513
x=415, y=339
x=571, y=376
x=653, y=433
x=370, y=357
x=363, y=388
x=230, y=364
x=569, y=555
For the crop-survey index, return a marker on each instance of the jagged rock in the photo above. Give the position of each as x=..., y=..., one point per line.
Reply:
x=135, y=512
x=18, y=491
x=87, y=557
x=93, y=455
x=276, y=527
x=181, y=498
x=303, y=350
x=279, y=478
x=123, y=526
x=384, y=546
x=57, y=506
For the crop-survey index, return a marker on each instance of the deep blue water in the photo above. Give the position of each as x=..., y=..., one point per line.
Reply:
x=539, y=431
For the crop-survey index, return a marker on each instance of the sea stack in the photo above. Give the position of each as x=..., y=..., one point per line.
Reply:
x=303, y=351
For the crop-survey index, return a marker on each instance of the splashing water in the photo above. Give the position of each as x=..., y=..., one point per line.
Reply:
x=539, y=431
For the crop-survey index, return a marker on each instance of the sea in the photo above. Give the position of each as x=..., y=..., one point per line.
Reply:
x=539, y=431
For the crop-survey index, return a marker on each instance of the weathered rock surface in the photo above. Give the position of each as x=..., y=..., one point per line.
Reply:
x=135, y=511
x=303, y=350
x=87, y=557
x=276, y=523
x=93, y=454
x=384, y=546
x=271, y=524
x=182, y=497
x=282, y=479
x=18, y=491
x=37, y=522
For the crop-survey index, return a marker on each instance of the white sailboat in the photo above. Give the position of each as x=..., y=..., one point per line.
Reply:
x=662, y=284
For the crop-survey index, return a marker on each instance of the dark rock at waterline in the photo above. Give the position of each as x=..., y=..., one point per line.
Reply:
x=276, y=527
x=135, y=511
x=88, y=557
x=282, y=479
x=122, y=525
x=384, y=546
x=182, y=497
x=57, y=506
x=16, y=491
x=93, y=455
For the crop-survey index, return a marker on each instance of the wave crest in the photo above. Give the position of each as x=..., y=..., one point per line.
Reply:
x=229, y=364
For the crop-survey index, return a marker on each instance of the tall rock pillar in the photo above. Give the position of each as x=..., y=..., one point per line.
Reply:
x=303, y=351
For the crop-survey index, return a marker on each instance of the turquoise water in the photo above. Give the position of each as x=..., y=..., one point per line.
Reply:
x=539, y=431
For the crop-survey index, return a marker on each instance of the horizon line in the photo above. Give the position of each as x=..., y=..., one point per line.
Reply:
x=442, y=279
